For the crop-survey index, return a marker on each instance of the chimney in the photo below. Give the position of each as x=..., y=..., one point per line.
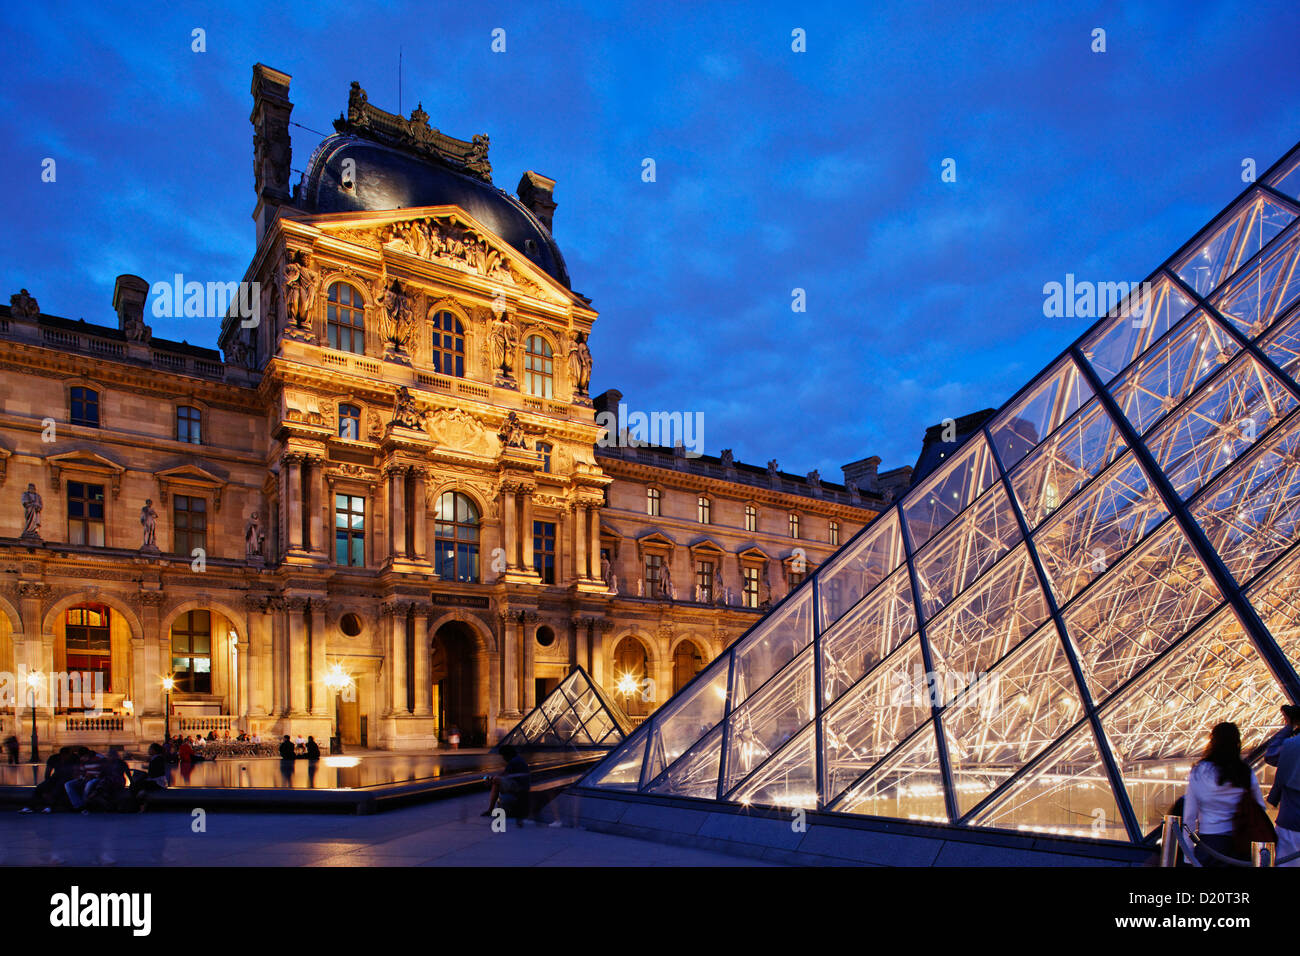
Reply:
x=271, y=148
x=535, y=192
x=129, y=295
x=862, y=474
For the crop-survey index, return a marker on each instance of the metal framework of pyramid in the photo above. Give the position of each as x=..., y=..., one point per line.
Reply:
x=1040, y=635
x=578, y=714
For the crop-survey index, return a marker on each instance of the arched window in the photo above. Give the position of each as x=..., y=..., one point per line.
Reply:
x=346, y=319
x=687, y=662
x=539, y=367
x=632, y=677
x=85, y=407
x=448, y=345
x=456, y=537
x=187, y=424
x=86, y=630
x=349, y=421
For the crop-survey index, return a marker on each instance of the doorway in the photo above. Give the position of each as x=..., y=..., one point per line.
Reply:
x=455, y=664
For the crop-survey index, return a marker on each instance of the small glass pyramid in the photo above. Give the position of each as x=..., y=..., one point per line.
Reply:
x=577, y=714
x=1040, y=634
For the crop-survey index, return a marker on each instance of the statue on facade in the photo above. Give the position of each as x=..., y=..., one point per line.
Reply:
x=23, y=306
x=300, y=282
x=254, y=536
x=406, y=414
x=728, y=459
x=32, y=506
x=664, y=582
x=358, y=114
x=579, y=364
x=503, y=338
x=512, y=432
x=149, y=526
x=608, y=576
x=398, y=320
x=719, y=589
x=772, y=468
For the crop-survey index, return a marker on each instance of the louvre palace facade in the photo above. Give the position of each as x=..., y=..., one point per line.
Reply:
x=386, y=499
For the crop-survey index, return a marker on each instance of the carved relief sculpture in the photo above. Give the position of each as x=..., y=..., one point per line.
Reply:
x=512, y=432
x=398, y=323
x=579, y=364
x=299, y=281
x=406, y=414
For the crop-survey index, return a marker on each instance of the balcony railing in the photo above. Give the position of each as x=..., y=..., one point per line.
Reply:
x=105, y=724
x=206, y=722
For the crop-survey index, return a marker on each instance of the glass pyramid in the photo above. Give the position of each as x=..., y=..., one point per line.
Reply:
x=1040, y=634
x=577, y=714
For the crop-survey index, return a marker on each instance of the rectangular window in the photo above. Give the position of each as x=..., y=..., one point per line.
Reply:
x=835, y=534
x=794, y=526
x=187, y=425
x=544, y=550
x=751, y=518
x=350, y=422
x=189, y=524
x=192, y=652
x=85, y=514
x=704, y=581
x=705, y=507
x=796, y=578
x=652, y=500
x=650, y=587
x=85, y=407
x=350, y=531
x=750, y=595
x=544, y=449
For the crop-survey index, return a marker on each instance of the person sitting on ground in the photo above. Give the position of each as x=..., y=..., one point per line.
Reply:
x=510, y=789
x=286, y=749
x=1214, y=792
x=313, y=749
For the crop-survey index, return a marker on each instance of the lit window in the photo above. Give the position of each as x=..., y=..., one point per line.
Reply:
x=835, y=533
x=544, y=550
x=85, y=407
x=350, y=531
x=349, y=421
x=87, y=642
x=705, y=507
x=187, y=425
x=85, y=514
x=539, y=367
x=653, y=562
x=448, y=352
x=544, y=449
x=345, y=316
x=750, y=592
x=192, y=652
x=704, y=581
x=653, y=497
x=189, y=524
x=794, y=526
x=456, y=537
x=751, y=518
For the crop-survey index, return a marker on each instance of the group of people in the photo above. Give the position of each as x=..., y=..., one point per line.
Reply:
x=1224, y=805
x=81, y=779
x=306, y=749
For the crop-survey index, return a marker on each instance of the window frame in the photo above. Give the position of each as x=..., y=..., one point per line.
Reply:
x=335, y=309
x=535, y=375
x=192, y=424
x=86, y=523
x=351, y=537
x=189, y=532
x=88, y=398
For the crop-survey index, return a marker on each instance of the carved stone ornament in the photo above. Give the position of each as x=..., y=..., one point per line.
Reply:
x=457, y=430
x=406, y=413
x=23, y=306
x=512, y=432
x=447, y=242
x=299, y=282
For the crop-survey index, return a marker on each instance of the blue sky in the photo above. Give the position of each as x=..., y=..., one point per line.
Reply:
x=776, y=170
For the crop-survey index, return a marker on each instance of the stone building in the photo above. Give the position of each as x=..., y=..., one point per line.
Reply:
x=386, y=502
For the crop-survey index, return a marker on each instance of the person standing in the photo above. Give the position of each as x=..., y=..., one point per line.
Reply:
x=1284, y=753
x=1215, y=788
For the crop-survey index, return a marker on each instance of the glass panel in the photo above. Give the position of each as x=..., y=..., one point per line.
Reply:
x=598, y=725
x=690, y=714
x=1282, y=345
x=943, y=496
x=1252, y=514
x=1216, y=426
x=907, y=786
x=1065, y=463
x=1007, y=717
x=1265, y=290
x=871, y=720
x=1068, y=794
x=1158, y=729
x=1277, y=601
x=763, y=724
x=1018, y=430
x=1237, y=236
x=771, y=645
x=696, y=773
x=861, y=640
x=1287, y=178
x=1139, y=322
x=573, y=686
x=622, y=769
x=862, y=565
x=985, y=624
x=1095, y=530
x=965, y=549
x=788, y=780
x=1155, y=386
x=1155, y=596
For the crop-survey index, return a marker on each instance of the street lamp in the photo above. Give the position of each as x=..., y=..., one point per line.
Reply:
x=336, y=680
x=168, y=684
x=33, y=681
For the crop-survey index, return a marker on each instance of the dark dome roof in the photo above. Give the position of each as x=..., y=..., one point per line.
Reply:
x=388, y=178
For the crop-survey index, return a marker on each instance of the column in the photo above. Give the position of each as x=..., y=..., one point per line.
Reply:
x=279, y=659
x=526, y=532
x=510, y=529
x=423, y=679
x=318, y=494
x=294, y=609
x=530, y=673
x=598, y=629
x=420, y=517
x=320, y=704
x=397, y=512
x=241, y=704
x=397, y=660
x=151, y=657
x=509, y=664
x=293, y=506
x=580, y=542
x=593, y=528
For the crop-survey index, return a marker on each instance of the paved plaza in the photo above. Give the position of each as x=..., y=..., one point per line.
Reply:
x=446, y=833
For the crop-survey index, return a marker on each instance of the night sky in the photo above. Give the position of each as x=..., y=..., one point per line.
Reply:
x=775, y=170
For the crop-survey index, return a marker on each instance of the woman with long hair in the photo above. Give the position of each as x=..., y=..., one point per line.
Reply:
x=1214, y=791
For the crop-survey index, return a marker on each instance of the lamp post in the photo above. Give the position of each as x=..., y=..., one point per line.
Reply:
x=33, y=681
x=336, y=680
x=168, y=684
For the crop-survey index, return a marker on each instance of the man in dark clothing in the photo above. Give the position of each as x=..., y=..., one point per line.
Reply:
x=61, y=769
x=286, y=749
x=510, y=789
x=313, y=749
x=11, y=748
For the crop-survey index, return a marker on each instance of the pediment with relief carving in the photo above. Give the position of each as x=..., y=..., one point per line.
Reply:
x=457, y=430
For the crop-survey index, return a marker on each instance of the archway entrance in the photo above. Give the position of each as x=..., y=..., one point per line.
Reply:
x=456, y=664
x=631, y=676
x=687, y=662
